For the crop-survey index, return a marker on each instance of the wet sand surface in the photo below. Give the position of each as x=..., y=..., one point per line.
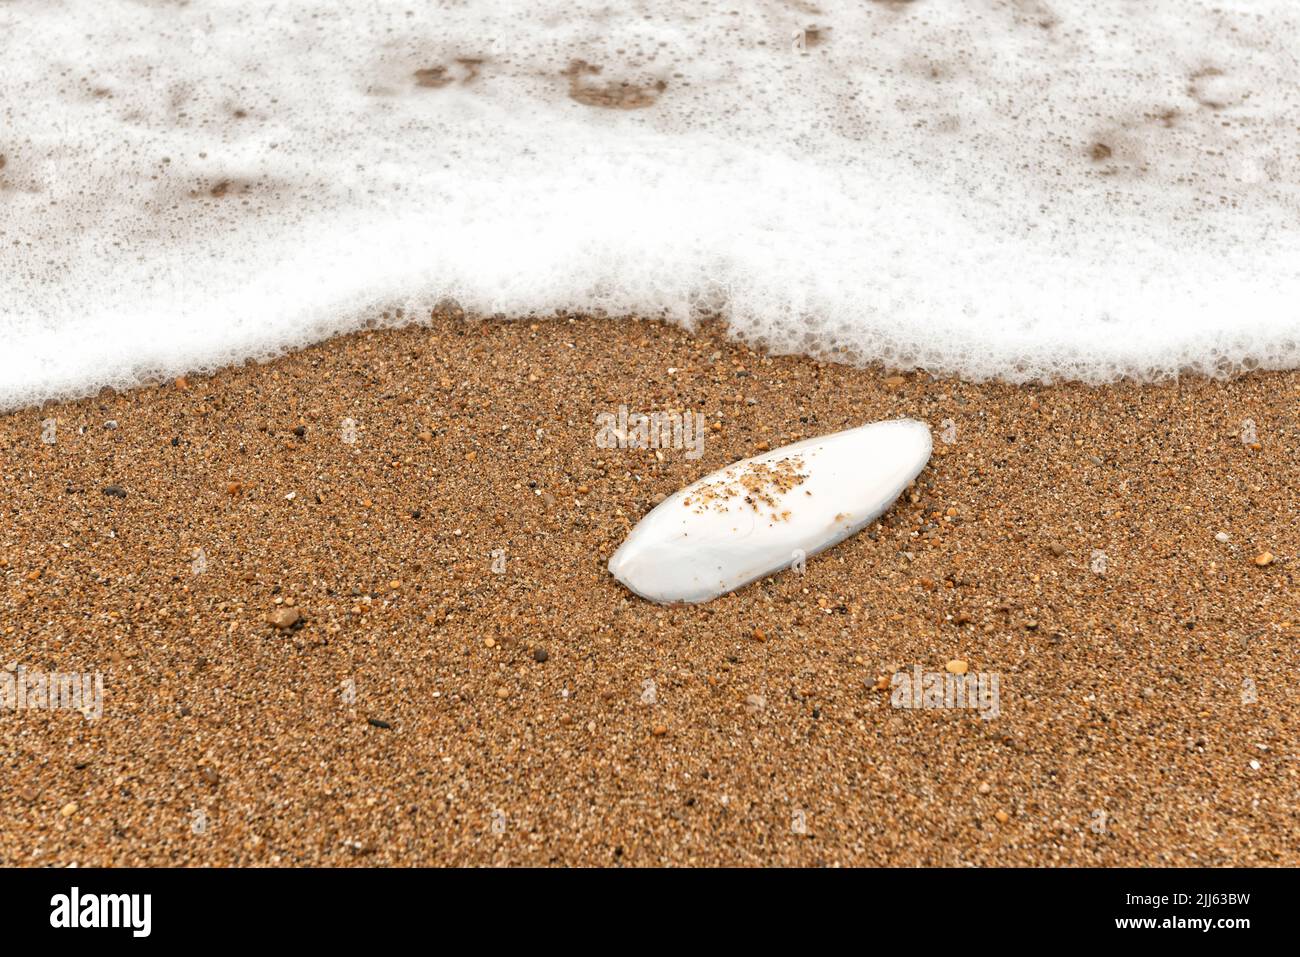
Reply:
x=465, y=684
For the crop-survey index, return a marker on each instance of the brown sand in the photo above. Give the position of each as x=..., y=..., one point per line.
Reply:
x=1127, y=729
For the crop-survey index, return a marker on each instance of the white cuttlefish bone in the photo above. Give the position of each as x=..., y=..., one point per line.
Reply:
x=766, y=513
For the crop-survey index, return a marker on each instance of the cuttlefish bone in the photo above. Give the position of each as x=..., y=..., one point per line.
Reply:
x=799, y=500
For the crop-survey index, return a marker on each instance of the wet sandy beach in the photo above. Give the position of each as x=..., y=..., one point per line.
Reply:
x=453, y=677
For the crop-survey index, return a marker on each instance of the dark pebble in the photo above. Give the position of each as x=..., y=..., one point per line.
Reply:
x=115, y=490
x=540, y=654
x=377, y=723
x=300, y=431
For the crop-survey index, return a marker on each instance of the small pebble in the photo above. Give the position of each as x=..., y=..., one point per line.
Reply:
x=956, y=667
x=1222, y=537
x=540, y=655
x=284, y=618
x=68, y=809
x=116, y=491
x=1263, y=559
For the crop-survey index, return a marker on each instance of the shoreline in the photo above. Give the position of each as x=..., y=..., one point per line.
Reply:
x=430, y=709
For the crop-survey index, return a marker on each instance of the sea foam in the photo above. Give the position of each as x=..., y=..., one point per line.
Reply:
x=1023, y=189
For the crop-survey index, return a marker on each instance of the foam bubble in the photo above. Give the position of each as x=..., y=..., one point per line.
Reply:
x=1021, y=189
